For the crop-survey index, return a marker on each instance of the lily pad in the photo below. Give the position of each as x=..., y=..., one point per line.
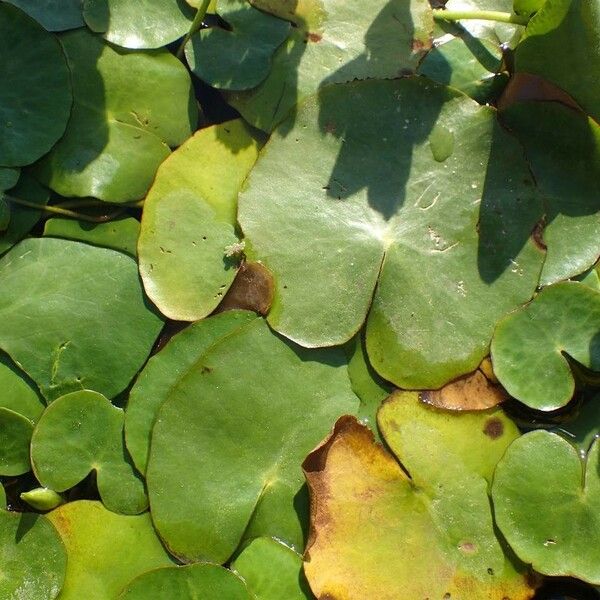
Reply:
x=189, y=582
x=8, y=177
x=32, y=555
x=252, y=289
x=441, y=206
x=227, y=443
x=120, y=234
x=369, y=519
x=93, y=328
x=35, y=83
x=569, y=32
x=135, y=24
x=583, y=429
x=272, y=571
x=189, y=220
x=527, y=7
x=163, y=372
x=547, y=506
x=335, y=42
x=531, y=347
x=106, y=550
x=563, y=149
x=82, y=432
x=53, y=15
x=118, y=134
x=237, y=58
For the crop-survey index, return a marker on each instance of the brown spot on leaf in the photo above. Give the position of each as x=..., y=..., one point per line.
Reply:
x=467, y=547
x=537, y=235
x=315, y=37
x=330, y=128
x=493, y=428
x=252, y=289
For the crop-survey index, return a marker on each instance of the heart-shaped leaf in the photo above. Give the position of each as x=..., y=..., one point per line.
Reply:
x=82, y=432
x=237, y=58
x=547, y=506
x=228, y=441
x=35, y=82
x=32, y=556
x=272, y=571
x=335, y=42
x=189, y=220
x=138, y=24
x=53, y=15
x=93, y=328
x=393, y=225
x=106, y=550
x=118, y=135
x=369, y=520
x=189, y=582
x=531, y=346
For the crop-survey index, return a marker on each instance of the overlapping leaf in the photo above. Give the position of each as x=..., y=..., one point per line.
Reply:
x=53, y=15
x=93, y=328
x=431, y=204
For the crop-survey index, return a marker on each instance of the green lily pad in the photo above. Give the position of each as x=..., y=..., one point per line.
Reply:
x=369, y=519
x=93, y=328
x=189, y=221
x=35, y=82
x=120, y=234
x=32, y=556
x=238, y=58
x=335, y=42
x=82, y=432
x=23, y=219
x=568, y=31
x=135, y=24
x=2, y=497
x=53, y=15
x=118, y=134
x=228, y=441
x=440, y=207
x=272, y=571
x=563, y=149
x=9, y=177
x=531, y=346
x=547, y=506
x=163, y=372
x=106, y=550
x=527, y=7
x=590, y=278
x=189, y=582
x=584, y=427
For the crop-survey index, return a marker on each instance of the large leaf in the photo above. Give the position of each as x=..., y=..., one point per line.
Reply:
x=54, y=15
x=547, y=506
x=191, y=582
x=189, y=221
x=563, y=149
x=562, y=44
x=430, y=199
x=227, y=443
x=92, y=329
x=32, y=556
x=118, y=133
x=135, y=24
x=531, y=347
x=163, y=372
x=35, y=83
x=238, y=58
x=82, y=432
x=335, y=41
x=369, y=521
x=105, y=550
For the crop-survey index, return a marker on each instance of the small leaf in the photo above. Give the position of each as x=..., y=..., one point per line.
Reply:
x=42, y=499
x=531, y=346
x=82, y=432
x=547, y=507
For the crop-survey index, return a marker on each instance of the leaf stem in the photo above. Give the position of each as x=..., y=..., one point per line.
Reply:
x=483, y=15
x=64, y=212
x=195, y=26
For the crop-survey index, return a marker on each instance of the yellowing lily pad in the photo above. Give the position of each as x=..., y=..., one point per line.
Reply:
x=105, y=550
x=227, y=443
x=428, y=232
x=369, y=520
x=118, y=134
x=83, y=432
x=531, y=347
x=93, y=328
x=547, y=505
x=189, y=221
